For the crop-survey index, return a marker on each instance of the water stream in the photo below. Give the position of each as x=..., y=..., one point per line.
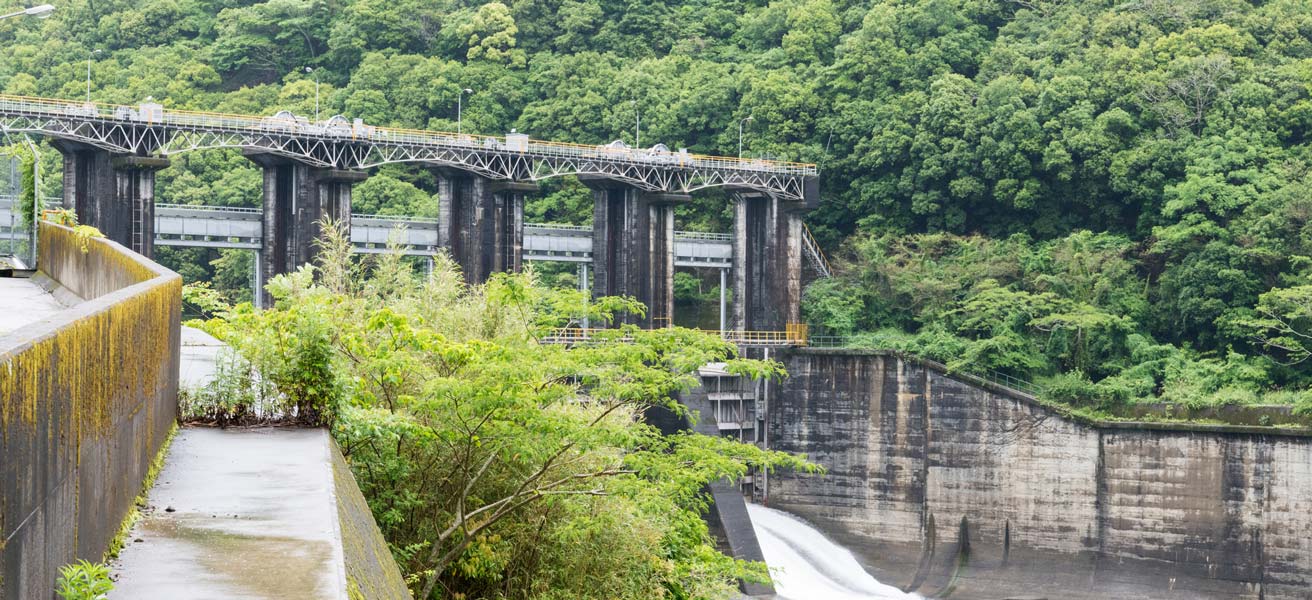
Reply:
x=806, y=565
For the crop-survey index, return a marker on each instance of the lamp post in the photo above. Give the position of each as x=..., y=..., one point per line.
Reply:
x=36, y=194
x=460, y=109
x=316, y=92
x=90, y=56
x=40, y=11
x=637, y=125
x=740, y=134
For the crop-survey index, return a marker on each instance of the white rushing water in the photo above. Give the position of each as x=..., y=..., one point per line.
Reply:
x=806, y=565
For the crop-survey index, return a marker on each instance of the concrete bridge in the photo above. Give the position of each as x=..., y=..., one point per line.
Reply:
x=111, y=154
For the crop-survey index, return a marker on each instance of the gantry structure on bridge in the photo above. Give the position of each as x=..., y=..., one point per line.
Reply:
x=111, y=153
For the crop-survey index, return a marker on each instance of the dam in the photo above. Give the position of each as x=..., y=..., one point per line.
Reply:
x=949, y=486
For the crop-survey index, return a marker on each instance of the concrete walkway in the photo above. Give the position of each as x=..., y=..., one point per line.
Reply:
x=23, y=302
x=238, y=514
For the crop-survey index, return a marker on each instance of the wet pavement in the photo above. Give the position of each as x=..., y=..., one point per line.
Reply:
x=23, y=302
x=245, y=513
x=238, y=514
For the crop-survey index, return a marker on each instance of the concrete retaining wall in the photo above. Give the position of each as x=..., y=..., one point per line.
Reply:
x=944, y=485
x=86, y=399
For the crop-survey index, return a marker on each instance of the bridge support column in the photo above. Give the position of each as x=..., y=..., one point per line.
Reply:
x=296, y=198
x=633, y=248
x=767, y=262
x=135, y=184
x=115, y=194
x=481, y=222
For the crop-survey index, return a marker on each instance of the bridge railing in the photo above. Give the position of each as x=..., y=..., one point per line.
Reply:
x=397, y=219
x=217, y=210
x=794, y=335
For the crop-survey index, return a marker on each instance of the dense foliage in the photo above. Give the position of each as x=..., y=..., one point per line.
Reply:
x=1076, y=313
x=498, y=466
x=1177, y=131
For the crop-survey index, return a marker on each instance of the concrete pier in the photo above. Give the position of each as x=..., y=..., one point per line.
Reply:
x=296, y=197
x=767, y=262
x=633, y=247
x=481, y=223
x=113, y=193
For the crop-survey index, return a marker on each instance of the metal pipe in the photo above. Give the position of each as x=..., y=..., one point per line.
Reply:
x=724, y=276
x=584, y=286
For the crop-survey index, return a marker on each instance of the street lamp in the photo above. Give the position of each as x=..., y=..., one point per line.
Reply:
x=89, y=57
x=460, y=109
x=316, y=92
x=740, y=134
x=40, y=11
x=637, y=125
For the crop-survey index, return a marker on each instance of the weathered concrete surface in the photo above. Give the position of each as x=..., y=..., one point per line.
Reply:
x=949, y=486
x=86, y=398
x=23, y=302
x=481, y=223
x=767, y=262
x=296, y=198
x=633, y=247
x=266, y=513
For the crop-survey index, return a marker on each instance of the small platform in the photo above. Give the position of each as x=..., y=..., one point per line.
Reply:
x=23, y=302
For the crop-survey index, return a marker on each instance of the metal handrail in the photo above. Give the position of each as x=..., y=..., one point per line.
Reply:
x=815, y=253
x=703, y=235
x=219, y=121
x=990, y=375
x=561, y=226
x=210, y=208
x=794, y=335
x=397, y=218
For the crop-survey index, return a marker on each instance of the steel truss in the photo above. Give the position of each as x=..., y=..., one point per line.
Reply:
x=150, y=130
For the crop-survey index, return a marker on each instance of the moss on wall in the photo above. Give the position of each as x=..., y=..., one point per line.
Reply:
x=86, y=400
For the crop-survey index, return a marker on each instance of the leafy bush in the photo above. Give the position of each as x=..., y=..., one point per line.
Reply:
x=496, y=465
x=83, y=580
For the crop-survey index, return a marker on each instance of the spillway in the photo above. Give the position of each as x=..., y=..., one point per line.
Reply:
x=806, y=565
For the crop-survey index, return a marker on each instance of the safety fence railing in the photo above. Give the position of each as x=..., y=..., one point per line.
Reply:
x=207, y=208
x=558, y=227
x=794, y=334
x=703, y=236
x=397, y=219
x=990, y=375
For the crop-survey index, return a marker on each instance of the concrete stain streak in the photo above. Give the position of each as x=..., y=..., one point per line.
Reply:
x=942, y=486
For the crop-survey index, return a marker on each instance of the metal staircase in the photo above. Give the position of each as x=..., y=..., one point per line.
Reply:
x=814, y=254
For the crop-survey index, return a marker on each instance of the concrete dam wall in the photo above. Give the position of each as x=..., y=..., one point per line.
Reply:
x=951, y=487
x=87, y=396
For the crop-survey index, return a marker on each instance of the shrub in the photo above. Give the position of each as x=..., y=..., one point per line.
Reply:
x=83, y=580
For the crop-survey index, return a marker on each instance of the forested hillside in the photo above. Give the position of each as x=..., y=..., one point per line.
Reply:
x=1118, y=191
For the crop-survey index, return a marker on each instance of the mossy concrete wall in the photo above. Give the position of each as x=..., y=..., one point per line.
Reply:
x=86, y=399
x=371, y=571
x=946, y=485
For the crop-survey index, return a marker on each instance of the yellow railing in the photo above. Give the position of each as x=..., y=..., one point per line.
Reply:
x=795, y=334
